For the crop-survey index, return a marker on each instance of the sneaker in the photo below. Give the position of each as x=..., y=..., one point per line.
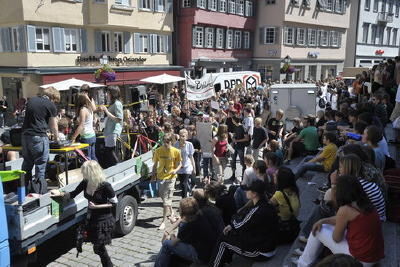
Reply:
x=298, y=252
x=323, y=189
x=294, y=260
x=303, y=239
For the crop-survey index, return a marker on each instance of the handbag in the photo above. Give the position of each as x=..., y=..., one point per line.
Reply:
x=289, y=229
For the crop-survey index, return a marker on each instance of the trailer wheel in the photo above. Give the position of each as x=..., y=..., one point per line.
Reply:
x=128, y=211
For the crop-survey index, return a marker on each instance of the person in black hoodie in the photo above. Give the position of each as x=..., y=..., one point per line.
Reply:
x=252, y=232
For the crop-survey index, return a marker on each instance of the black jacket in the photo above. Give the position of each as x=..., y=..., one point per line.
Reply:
x=256, y=227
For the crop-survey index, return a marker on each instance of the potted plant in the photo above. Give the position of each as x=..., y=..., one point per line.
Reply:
x=105, y=74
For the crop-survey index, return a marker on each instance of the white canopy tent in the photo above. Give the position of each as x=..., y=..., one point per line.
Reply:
x=163, y=79
x=67, y=84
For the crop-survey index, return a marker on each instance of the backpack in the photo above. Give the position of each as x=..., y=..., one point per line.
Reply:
x=322, y=102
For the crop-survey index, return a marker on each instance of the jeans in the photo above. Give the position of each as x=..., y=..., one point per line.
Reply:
x=305, y=166
x=240, y=152
x=184, y=182
x=240, y=197
x=35, y=151
x=207, y=165
x=197, y=158
x=181, y=249
x=219, y=169
x=92, y=147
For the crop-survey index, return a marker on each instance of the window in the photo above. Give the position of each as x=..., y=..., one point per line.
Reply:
x=238, y=39
x=159, y=5
x=301, y=36
x=212, y=5
x=160, y=44
x=323, y=38
x=118, y=42
x=365, y=33
x=373, y=34
x=367, y=5
x=312, y=37
x=229, y=39
x=105, y=42
x=394, y=40
x=270, y=35
x=339, y=6
x=145, y=4
x=383, y=6
x=186, y=3
x=123, y=2
x=269, y=2
x=198, y=36
x=246, y=40
x=391, y=4
x=42, y=39
x=209, y=37
x=231, y=6
x=376, y=4
x=329, y=5
x=240, y=7
x=201, y=3
x=99, y=1
x=219, y=40
x=388, y=35
x=144, y=43
x=249, y=9
x=16, y=46
x=381, y=31
x=397, y=9
x=222, y=6
x=289, y=36
x=70, y=38
x=335, y=39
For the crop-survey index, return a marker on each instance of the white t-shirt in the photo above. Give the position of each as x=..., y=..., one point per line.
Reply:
x=248, y=124
x=186, y=152
x=249, y=176
x=398, y=94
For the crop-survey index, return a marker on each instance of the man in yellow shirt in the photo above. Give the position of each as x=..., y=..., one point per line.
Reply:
x=167, y=161
x=323, y=161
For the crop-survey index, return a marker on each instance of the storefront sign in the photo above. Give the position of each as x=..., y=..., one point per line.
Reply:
x=111, y=60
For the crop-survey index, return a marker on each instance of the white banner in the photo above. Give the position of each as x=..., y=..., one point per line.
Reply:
x=199, y=89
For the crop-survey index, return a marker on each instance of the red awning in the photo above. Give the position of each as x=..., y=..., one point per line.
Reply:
x=128, y=77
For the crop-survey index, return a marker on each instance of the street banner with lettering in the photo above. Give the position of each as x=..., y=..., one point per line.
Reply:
x=200, y=89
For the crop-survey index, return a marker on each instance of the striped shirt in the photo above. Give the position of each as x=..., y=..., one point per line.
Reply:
x=375, y=195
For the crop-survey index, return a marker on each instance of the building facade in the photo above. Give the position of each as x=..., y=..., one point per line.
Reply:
x=215, y=35
x=311, y=34
x=375, y=26
x=47, y=41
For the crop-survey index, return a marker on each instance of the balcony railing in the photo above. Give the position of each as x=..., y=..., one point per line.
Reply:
x=385, y=17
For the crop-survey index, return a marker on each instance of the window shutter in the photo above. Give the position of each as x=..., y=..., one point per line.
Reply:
x=137, y=43
x=127, y=42
x=140, y=3
x=193, y=36
x=31, y=37
x=155, y=5
x=97, y=39
x=82, y=33
x=5, y=39
x=277, y=35
x=21, y=38
x=153, y=43
x=152, y=6
x=58, y=39
x=339, y=39
x=168, y=43
x=262, y=35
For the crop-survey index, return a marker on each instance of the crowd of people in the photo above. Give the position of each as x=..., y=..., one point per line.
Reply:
x=255, y=210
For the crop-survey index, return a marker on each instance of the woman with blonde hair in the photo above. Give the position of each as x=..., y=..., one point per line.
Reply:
x=101, y=198
x=85, y=127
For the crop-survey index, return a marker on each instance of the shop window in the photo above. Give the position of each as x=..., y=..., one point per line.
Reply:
x=229, y=39
x=198, y=36
x=209, y=37
x=219, y=40
x=246, y=40
x=289, y=35
x=118, y=42
x=222, y=6
x=238, y=39
x=312, y=37
x=71, y=40
x=42, y=39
